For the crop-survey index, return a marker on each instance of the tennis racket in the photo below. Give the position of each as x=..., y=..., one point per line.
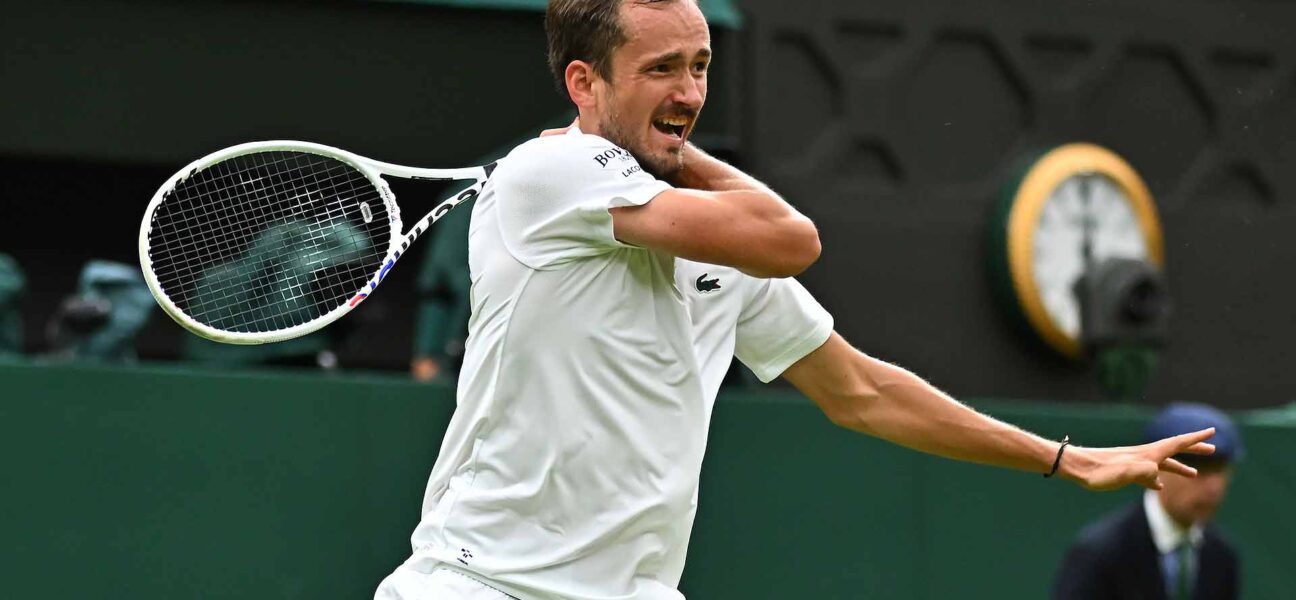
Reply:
x=268, y=241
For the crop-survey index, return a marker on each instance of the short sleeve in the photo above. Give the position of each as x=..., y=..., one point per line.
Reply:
x=554, y=194
x=780, y=324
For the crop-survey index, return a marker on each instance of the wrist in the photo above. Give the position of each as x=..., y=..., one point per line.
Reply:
x=1076, y=464
x=689, y=174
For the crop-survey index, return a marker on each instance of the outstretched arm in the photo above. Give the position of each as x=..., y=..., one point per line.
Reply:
x=864, y=394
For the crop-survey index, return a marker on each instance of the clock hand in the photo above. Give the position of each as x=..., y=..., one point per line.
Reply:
x=1086, y=219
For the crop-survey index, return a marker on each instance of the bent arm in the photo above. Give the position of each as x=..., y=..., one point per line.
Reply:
x=720, y=215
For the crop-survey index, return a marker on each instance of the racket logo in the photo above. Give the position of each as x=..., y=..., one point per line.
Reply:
x=373, y=285
x=409, y=239
x=464, y=196
x=383, y=272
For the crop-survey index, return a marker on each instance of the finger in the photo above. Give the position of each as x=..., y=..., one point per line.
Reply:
x=1199, y=448
x=1146, y=474
x=561, y=130
x=1151, y=484
x=1190, y=439
x=1180, y=443
x=1171, y=465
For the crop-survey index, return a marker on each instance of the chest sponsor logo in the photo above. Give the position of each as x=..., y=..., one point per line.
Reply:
x=706, y=286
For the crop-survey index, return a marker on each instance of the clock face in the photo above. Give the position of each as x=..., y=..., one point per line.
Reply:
x=1086, y=219
x=1075, y=206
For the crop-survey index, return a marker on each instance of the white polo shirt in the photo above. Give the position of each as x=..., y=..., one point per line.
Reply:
x=570, y=468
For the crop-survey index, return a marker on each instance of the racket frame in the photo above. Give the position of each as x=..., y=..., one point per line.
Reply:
x=372, y=170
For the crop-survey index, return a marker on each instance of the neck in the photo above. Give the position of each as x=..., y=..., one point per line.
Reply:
x=590, y=123
x=1180, y=520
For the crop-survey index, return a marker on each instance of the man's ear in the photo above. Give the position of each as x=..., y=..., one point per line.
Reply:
x=581, y=81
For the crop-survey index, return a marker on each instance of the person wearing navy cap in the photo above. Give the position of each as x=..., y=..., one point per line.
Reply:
x=1163, y=547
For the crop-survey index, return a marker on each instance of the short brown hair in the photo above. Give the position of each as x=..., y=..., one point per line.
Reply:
x=586, y=30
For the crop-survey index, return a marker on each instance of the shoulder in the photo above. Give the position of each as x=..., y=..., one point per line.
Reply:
x=1217, y=538
x=556, y=155
x=1113, y=529
x=565, y=171
x=1092, y=556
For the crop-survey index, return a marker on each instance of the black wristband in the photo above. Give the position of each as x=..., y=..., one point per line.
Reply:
x=1066, y=440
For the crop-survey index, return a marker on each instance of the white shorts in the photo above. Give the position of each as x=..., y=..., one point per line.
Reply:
x=441, y=584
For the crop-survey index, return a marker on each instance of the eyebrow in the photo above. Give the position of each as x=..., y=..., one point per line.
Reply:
x=676, y=55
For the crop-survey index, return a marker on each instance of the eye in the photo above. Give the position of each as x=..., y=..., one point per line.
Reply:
x=700, y=67
x=661, y=68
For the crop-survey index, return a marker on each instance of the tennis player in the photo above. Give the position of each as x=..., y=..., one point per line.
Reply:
x=616, y=270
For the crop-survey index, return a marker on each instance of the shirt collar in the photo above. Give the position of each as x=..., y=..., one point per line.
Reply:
x=1166, y=533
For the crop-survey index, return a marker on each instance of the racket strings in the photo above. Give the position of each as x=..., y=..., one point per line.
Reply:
x=268, y=240
x=290, y=288
x=220, y=217
x=225, y=249
x=293, y=289
x=206, y=218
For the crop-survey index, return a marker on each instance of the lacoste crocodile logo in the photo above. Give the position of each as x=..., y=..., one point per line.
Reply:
x=707, y=286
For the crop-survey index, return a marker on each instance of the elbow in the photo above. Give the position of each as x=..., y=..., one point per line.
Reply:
x=808, y=248
x=842, y=417
x=851, y=411
x=848, y=417
x=797, y=250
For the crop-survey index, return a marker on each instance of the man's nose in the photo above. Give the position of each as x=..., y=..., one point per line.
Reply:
x=1215, y=483
x=691, y=92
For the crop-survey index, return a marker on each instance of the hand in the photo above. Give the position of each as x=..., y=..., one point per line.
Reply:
x=1103, y=469
x=424, y=368
x=561, y=130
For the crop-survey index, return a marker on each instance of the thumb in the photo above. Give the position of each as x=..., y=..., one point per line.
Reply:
x=1149, y=475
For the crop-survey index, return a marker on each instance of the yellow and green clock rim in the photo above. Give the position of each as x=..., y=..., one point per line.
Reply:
x=1027, y=202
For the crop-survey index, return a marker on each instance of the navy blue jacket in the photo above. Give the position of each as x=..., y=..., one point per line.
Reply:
x=1115, y=558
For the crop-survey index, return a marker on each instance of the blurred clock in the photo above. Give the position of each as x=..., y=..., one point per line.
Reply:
x=1073, y=207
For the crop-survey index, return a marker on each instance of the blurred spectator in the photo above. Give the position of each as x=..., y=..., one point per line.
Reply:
x=11, y=288
x=100, y=322
x=443, y=305
x=1163, y=546
x=333, y=249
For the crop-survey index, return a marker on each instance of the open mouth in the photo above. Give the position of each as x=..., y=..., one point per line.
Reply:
x=671, y=126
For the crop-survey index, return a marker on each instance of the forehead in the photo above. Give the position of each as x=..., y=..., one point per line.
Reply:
x=663, y=27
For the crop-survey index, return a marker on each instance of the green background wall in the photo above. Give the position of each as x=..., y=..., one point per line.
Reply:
x=171, y=484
